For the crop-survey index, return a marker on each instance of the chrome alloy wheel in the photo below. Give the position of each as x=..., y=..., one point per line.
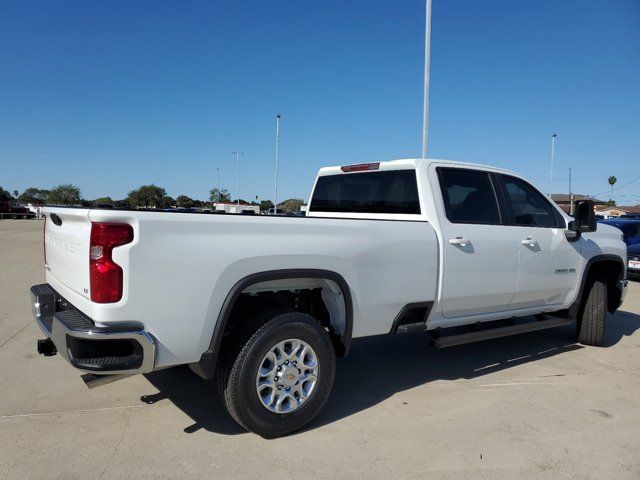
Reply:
x=287, y=376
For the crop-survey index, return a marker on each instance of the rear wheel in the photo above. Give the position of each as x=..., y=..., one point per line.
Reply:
x=593, y=316
x=278, y=377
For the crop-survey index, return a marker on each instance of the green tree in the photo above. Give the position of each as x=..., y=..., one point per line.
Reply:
x=102, y=201
x=34, y=195
x=184, y=202
x=5, y=195
x=612, y=181
x=168, y=202
x=16, y=194
x=221, y=195
x=147, y=196
x=64, y=195
x=266, y=205
x=291, y=205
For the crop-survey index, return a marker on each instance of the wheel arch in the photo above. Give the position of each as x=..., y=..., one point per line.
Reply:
x=613, y=268
x=206, y=366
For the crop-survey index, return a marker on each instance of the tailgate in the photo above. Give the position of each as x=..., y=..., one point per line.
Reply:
x=67, y=236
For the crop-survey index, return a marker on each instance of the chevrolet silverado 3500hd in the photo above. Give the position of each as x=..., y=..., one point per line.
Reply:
x=265, y=304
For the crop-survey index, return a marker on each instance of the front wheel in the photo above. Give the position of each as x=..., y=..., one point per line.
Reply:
x=593, y=316
x=277, y=381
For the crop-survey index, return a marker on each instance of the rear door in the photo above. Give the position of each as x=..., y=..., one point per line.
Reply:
x=548, y=261
x=480, y=254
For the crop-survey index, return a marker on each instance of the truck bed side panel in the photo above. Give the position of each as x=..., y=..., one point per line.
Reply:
x=181, y=268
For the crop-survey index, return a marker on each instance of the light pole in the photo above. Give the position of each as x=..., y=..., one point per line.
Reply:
x=237, y=154
x=570, y=195
x=427, y=69
x=553, y=158
x=275, y=194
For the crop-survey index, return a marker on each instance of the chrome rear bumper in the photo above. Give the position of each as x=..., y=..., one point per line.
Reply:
x=125, y=349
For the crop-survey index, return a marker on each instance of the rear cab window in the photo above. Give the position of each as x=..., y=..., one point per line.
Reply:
x=383, y=192
x=469, y=196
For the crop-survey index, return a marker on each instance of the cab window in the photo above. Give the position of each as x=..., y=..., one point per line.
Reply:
x=469, y=196
x=526, y=205
x=394, y=191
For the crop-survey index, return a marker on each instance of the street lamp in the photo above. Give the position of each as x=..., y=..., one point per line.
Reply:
x=218, y=170
x=427, y=71
x=275, y=194
x=553, y=158
x=237, y=154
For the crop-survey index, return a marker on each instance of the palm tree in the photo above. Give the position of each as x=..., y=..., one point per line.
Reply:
x=612, y=182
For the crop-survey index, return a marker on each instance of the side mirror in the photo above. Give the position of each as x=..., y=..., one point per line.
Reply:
x=585, y=219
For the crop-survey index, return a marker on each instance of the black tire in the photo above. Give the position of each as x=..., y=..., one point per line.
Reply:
x=593, y=316
x=240, y=363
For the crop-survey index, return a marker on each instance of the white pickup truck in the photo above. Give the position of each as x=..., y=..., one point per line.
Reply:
x=265, y=304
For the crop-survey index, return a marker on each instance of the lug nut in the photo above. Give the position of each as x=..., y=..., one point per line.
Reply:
x=295, y=363
x=286, y=362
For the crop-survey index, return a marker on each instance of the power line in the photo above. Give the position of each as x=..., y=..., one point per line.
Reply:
x=620, y=187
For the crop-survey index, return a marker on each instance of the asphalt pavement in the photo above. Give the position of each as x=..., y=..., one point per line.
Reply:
x=533, y=406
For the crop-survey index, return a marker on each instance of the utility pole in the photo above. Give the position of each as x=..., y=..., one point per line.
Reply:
x=427, y=69
x=570, y=195
x=553, y=158
x=275, y=194
x=237, y=154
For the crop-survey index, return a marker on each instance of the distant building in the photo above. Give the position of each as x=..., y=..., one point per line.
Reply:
x=607, y=211
x=564, y=201
x=235, y=208
x=616, y=211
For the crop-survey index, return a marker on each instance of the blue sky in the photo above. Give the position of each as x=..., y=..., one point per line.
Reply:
x=112, y=95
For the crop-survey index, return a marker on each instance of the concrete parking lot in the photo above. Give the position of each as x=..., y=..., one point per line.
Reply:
x=534, y=406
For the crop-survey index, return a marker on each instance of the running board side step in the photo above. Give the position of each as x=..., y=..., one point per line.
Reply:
x=490, y=333
x=93, y=381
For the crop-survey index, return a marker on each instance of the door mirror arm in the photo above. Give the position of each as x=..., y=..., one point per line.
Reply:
x=572, y=234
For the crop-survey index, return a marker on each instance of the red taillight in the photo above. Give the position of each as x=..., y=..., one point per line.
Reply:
x=105, y=275
x=44, y=239
x=360, y=167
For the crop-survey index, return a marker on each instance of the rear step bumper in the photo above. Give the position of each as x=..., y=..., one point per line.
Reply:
x=89, y=348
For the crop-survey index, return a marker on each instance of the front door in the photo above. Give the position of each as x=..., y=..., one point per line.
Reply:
x=548, y=262
x=480, y=254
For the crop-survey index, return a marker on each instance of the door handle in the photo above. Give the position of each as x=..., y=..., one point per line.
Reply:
x=530, y=242
x=462, y=242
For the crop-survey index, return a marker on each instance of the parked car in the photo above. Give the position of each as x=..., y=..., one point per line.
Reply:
x=268, y=302
x=631, y=235
x=10, y=210
x=630, y=229
x=635, y=216
x=633, y=268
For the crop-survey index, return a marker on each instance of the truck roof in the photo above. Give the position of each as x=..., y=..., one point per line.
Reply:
x=404, y=164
